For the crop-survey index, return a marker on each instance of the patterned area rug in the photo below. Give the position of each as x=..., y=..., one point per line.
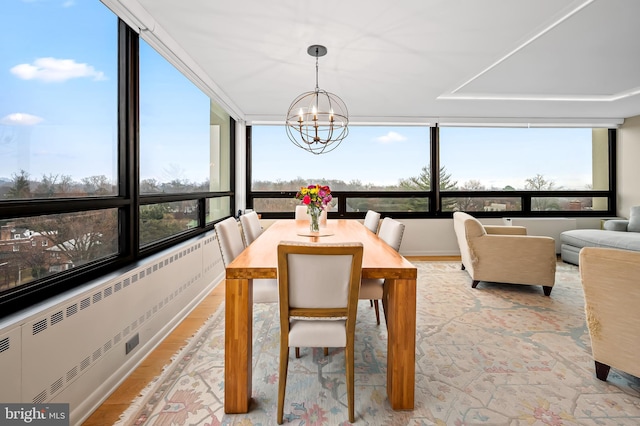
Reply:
x=495, y=355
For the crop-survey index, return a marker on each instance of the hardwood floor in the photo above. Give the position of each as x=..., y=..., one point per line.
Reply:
x=110, y=410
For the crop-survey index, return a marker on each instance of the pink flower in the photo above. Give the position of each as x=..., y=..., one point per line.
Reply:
x=306, y=200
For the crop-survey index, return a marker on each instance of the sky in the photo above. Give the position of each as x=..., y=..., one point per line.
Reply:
x=58, y=106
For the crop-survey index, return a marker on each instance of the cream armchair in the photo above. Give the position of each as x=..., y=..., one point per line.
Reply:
x=612, y=296
x=504, y=254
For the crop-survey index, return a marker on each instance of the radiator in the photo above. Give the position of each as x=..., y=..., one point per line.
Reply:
x=74, y=349
x=544, y=226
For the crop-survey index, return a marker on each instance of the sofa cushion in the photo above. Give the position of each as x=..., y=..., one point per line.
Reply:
x=616, y=225
x=634, y=220
x=601, y=238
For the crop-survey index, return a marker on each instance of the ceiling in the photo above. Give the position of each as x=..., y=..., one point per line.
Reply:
x=419, y=61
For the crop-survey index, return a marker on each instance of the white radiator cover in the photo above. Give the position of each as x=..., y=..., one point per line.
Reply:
x=544, y=226
x=72, y=349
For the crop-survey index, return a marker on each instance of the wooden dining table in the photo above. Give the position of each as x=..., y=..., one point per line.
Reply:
x=259, y=260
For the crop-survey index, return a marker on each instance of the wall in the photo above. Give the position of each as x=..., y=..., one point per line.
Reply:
x=73, y=348
x=628, y=165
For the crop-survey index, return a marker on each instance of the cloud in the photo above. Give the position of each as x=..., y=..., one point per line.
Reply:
x=56, y=70
x=68, y=3
x=391, y=137
x=20, y=119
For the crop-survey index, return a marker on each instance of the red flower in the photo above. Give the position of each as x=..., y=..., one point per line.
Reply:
x=306, y=200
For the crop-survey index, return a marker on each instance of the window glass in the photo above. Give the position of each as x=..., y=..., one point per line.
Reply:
x=538, y=159
x=217, y=208
x=371, y=158
x=184, y=137
x=36, y=247
x=162, y=220
x=530, y=159
x=58, y=108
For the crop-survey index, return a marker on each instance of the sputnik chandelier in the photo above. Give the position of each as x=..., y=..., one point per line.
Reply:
x=317, y=121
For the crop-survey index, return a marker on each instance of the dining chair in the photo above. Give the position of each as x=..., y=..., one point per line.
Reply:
x=318, y=309
x=265, y=290
x=372, y=220
x=251, y=227
x=301, y=214
x=391, y=232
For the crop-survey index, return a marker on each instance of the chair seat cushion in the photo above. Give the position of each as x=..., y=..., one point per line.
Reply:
x=318, y=333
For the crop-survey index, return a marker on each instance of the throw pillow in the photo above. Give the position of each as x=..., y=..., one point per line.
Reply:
x=634, y=219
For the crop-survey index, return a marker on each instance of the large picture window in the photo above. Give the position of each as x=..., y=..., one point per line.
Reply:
x=109, y=153
x=485, y=170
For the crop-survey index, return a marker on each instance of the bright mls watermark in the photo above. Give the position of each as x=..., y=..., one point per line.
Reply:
x=34, y=414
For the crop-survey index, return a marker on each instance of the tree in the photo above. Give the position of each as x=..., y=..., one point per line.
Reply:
x=422, y=182
x=20, y=187
x=539, y=183
x=471, y=204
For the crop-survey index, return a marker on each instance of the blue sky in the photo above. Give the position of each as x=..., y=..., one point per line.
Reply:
x=58, y=105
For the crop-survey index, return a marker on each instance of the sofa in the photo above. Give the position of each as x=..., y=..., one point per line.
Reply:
x=615, y=233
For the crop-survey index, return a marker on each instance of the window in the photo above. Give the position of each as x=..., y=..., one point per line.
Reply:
x=389, y=160
x=68, y=135
x=548, y=169
x=490, y=171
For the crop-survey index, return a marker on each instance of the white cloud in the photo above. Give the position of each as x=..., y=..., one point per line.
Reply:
x=55, y=70
x=68, y=3
x=20, y=119
x=391, y=137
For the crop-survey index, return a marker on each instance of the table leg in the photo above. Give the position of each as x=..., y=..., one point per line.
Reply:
x=401, y=349
x=237, y=346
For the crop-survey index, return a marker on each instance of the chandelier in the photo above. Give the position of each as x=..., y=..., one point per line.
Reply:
x=317, y=121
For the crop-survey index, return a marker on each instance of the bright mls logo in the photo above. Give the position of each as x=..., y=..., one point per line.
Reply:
x=34, y=414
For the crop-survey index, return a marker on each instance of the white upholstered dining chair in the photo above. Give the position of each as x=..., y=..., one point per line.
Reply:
x=318, y=309
x=251, y=227
x=265, y=290
x=391, y=232
x=372, y=220
x=301, y=214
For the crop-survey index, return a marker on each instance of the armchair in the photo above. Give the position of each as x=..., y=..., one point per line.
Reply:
x=504, y=254
x=612, y=295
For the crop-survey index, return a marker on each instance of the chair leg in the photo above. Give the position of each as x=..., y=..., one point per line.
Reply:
x=349, y=367
x=297, y=352
x=282, y=381
x=326, y=351
x=371, y=302
x=462, y=266
x=547, y=290
x=474, y=284
x=375, y=305
x=602, y=370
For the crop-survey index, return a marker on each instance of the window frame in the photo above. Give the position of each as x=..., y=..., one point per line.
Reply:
x=128, y=200
x=435, y=196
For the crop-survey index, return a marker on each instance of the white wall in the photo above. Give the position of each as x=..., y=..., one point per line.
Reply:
x=628, y=167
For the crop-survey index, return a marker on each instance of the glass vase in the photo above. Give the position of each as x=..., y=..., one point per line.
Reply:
x=314, y=218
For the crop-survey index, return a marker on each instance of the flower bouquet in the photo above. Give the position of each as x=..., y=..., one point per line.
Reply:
x=316, y=198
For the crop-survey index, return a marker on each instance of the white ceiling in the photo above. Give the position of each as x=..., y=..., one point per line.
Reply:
x=408, y=61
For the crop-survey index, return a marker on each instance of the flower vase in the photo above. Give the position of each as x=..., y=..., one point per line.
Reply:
x=314, y=219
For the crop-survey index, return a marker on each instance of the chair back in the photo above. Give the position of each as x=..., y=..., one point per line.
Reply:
x=229, y=239
x=372, y=220
x=250, y=227
x=319, y=281
x=391, y=232
x=301, y=214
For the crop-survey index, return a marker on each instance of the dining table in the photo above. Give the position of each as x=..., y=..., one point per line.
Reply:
x=260, y=260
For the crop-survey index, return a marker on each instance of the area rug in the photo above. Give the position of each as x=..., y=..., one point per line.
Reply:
x=495, y=355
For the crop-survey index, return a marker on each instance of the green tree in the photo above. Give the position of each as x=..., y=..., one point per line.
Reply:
x=422, y=182
x=21, y=187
